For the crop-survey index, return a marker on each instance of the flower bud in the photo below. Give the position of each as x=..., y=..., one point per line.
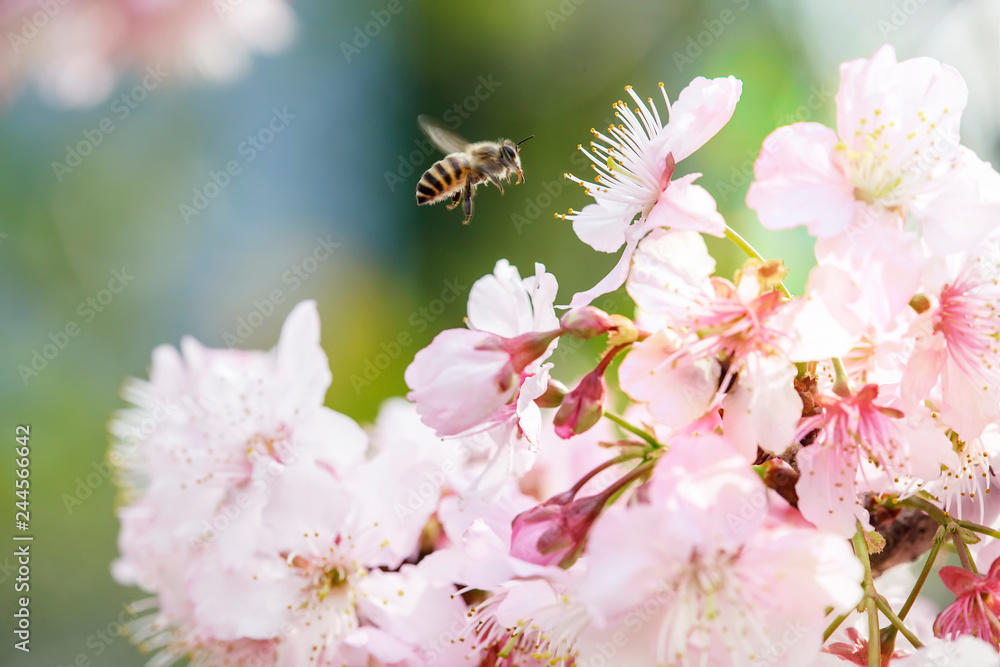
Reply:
x=623, y=331
x=586, y=322
x=582, y=407
x=527, y=347
x=553, y=533
x=553, y=396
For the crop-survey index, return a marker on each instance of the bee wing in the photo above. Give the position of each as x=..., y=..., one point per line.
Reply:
x=445, y=140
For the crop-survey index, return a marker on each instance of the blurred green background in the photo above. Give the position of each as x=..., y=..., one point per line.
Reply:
x=341, y=170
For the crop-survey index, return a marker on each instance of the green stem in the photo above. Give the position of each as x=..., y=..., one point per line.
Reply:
x=632, y=428
x=951, y=525
x=976, y=528
x=924, y=573
x=963, y=553
x=750, y=251
x=918, y=503
x=897, y=622
x=830, y=629
x=861, y=551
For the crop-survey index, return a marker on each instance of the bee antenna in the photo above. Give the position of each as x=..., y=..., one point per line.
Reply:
x=525, y=139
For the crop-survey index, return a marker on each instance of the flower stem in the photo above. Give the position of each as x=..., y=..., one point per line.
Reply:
x=976, y=528
x=830, y=629
x=861, y=551
x=897, y=622
x=918, y=503
x=963, y=553
x=924, y=573
x=601, y=468
x=842, y=385
x=750, y=251
x=632, y=428
x=952, y=526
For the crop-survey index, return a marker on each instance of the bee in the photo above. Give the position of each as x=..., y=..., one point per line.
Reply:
x=465, y=166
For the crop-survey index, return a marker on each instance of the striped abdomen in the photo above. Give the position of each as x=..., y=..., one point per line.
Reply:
x=443, y=179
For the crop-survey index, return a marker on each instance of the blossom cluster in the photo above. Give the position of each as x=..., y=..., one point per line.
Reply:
x=75, y=51
x=744, y=508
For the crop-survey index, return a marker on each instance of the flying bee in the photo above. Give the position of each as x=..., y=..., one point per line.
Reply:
x=465, y=166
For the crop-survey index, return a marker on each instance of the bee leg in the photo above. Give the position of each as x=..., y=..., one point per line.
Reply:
x=467, y=194
x=492, y=178
x=455, y=200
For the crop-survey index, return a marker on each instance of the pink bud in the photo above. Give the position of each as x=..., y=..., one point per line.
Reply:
x=586, y=322
x=553, y=533
x=527, y=347
x=582, y=407
x=553, y=396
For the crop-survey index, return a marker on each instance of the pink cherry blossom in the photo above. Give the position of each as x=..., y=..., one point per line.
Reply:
x=85, y=47
x=895, y=157
x=480, y=384
x=258, y=522
x=976, y=610
x=531, y=614
x=461, y=380
x=634, y=190
x=715, y=332
x=957, y=356
x=722, y=568
x=465, y=377
x=211, y=423
x=896, y=150
x=853, y=428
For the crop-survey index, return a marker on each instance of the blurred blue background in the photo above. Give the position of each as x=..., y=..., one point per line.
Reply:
x=325, y=210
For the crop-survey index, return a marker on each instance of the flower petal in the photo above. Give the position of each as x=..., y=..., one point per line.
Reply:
x=701, y=110
x=797, y=181
x=764, y=408
x=683, y=205
x=602, y=225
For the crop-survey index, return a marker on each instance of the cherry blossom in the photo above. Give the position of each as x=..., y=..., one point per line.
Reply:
x=635, y=169
x=713, y=333
x=976, y=610
x=728, y=574
x=957, y=355
x=895, y=156
x=86, y=46
x=854, y=427
x=694, y=514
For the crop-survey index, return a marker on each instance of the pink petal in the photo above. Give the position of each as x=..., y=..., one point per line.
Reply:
x=602, y=225
x=969, y=405
x=826, y=491
x=670, y=271
x=302, y=365
x=701, y=110
x=821, y=324
x=683, y=205
x=876, y=253
x=455, y=384
x=303, y=500
x=909, y=96
x=679, y=391
x=958, y=580
x=499, y=304
x=764, y=408
x=964, y=210
x=797, y=181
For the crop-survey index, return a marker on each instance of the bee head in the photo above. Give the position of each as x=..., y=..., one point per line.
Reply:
x=509, y=156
